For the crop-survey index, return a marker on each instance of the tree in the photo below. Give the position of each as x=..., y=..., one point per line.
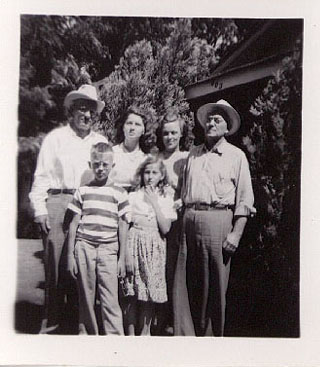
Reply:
x=273, y=148
x=46, y=68
x=59, y=53
x=146, y=61
x=154, y=75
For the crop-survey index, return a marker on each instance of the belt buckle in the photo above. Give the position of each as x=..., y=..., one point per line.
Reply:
x=54, y=191
x=61, y=191
x=201, y=206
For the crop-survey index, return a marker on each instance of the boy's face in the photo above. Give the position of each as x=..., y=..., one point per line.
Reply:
x=101, y=165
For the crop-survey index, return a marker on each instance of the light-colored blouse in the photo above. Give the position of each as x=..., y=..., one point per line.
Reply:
x=141, y=208
x=175, y=166
x=125, y=165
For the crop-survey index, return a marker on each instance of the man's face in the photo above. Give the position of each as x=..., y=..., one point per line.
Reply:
x=82, y=113
x=101, y=165
x=216, y=126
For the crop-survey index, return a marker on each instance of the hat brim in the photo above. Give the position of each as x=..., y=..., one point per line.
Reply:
x=78, y=95
x=228, y=112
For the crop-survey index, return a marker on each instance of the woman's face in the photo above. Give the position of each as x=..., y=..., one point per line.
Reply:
x=133, y=127
x=171, y=135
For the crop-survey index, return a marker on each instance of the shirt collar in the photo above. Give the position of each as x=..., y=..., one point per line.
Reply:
x=123, y=148
x=73, y=133
x=218, y=148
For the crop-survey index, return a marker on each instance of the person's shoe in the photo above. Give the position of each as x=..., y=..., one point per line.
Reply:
x=54, y=329
x=168, y=331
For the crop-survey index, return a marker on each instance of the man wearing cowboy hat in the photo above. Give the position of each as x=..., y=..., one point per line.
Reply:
x=218, y=198
x=61, y=167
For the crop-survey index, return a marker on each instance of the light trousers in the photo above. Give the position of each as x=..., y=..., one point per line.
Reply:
x=53, y=245
x=98, y=272
x=202, y=273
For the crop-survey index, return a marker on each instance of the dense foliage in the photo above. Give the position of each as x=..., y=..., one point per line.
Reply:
x=59, y=53
x=269, y=261
x=145, y=61
x=274, y=151
x=153, y=76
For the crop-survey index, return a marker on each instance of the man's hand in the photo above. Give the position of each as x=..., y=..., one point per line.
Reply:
x=129, y=265
x=231, y=243
x=43, y=221
x=72, y=267
x=178, y=204
x=121, y=268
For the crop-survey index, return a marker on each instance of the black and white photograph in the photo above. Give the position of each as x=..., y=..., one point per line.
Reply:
x=159, y=185
x=146, y=89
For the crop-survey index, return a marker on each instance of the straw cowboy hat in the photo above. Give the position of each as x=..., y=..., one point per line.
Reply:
x=222, y=108
x=86, y=91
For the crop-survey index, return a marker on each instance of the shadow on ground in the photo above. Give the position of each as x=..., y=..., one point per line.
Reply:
x=28, y=317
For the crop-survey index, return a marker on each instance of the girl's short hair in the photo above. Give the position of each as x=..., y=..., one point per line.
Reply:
x=172, y=116
x=151, y=159
x=119, y=123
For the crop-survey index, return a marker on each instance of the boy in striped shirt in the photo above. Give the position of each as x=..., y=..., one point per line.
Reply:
x=96, y=244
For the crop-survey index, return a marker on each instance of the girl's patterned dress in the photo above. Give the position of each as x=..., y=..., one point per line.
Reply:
x=148, y=248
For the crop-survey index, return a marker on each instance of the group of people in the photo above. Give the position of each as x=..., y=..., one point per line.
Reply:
x=145, y=238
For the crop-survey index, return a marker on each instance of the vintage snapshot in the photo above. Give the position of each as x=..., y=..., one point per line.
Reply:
x=160, y=214
x=159, y=176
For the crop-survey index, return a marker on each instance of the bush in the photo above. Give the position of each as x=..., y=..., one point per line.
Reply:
x=154, y=75
x=273, y=146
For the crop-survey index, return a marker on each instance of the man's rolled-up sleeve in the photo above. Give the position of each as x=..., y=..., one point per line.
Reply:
x=41, y=182
x=244, y=192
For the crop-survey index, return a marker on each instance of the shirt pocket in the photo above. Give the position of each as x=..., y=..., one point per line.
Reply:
x=223, y=182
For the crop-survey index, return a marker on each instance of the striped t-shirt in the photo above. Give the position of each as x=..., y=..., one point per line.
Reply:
x=100, y=208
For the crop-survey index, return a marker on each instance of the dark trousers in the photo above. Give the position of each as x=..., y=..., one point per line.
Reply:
x=164, y=311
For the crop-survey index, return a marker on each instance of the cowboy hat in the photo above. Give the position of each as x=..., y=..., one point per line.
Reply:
x=222, y=108
x=86, y=91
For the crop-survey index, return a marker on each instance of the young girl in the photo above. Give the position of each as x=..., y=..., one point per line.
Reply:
x=152, y=214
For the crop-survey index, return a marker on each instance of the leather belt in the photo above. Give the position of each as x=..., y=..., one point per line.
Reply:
x=61, y=191
x=205, y=206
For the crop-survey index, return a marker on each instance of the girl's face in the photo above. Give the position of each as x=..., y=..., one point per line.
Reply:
x=171, y=135
x=133, y=127
x=152, y=175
